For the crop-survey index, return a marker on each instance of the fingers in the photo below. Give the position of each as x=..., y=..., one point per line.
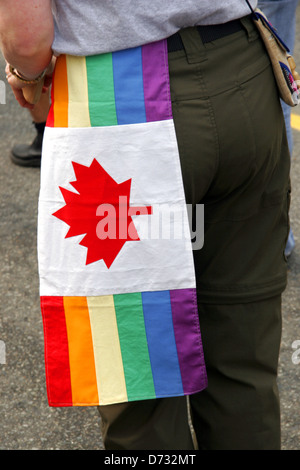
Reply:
x=17, y=89
x=18, y=93
x=22, y=91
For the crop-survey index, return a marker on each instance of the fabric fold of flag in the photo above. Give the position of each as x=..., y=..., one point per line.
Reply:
x=117, y=281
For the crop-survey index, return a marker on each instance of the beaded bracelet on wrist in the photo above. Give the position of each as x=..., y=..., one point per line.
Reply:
x=28, y=81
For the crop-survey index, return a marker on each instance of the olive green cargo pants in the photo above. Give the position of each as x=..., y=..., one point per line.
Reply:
x=235, y=161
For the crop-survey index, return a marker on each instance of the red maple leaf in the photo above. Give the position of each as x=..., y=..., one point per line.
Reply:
x=100, y=211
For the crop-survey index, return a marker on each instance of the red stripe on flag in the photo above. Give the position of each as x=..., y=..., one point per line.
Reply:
x=50, y=118
x=56, y=352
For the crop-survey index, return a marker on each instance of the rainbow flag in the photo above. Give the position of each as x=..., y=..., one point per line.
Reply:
x=118, y=298
x=111, y=89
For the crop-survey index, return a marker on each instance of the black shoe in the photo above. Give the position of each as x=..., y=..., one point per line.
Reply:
x=28, y=155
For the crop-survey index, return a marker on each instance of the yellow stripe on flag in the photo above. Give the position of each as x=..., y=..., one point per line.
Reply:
x=295, y=122
x=78, y=92
x=108, y=359
x=81, y=354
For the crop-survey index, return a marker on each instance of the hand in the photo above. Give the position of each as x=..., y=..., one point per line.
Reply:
x=19, y=87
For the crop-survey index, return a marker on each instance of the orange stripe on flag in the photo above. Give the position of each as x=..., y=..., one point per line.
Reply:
x=81, y=354
x=61, y=94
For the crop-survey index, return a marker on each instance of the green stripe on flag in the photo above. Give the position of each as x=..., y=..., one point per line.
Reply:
x=134, y=349
x=102, y=105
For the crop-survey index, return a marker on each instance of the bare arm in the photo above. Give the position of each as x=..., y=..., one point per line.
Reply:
x=26, y=34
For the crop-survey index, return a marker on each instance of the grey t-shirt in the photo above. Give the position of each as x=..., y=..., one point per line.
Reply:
x=88, y=27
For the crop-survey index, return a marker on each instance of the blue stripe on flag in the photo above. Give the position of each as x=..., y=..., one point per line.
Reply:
x=129, y=86
x=161, y=343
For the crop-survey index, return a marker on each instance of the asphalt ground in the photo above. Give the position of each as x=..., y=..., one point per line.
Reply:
x=26, y=420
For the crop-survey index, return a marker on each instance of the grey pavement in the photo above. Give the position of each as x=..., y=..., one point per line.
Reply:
x=26, y=420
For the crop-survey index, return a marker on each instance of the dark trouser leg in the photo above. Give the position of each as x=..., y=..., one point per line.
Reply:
x=240, y=408
x=147, y=425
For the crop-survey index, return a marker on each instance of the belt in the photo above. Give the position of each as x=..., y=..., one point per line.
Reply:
x=207, y=33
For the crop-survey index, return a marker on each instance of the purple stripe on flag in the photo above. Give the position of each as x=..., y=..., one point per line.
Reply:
x=188, y=340
x=156, y=86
